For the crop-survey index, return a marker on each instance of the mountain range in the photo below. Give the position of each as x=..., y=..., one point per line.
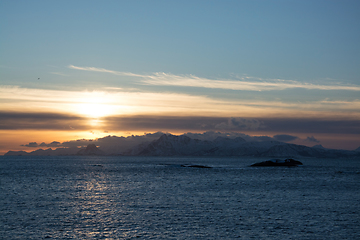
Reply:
x=172, y=145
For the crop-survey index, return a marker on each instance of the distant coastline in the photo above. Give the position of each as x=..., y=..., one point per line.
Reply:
x=172, y=145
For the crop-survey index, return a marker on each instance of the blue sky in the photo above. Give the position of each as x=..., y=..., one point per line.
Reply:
x=258, y=59
x=297, y=40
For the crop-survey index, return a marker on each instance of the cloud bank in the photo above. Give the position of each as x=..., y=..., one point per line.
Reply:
x=150, y=123
x=41, y=121
x=285, y=138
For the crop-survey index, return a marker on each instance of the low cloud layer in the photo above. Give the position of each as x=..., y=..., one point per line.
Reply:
x=285, y=138
x=239, y=124
x=149, y=123
x=284, y=125
x=41, y=121
x=53, y=144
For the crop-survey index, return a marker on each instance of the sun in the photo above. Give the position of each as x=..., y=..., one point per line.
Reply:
x=94, y=110
x=95, y=106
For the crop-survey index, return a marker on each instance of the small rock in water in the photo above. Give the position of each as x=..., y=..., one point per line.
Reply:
x=278, y=163
x=195, y=166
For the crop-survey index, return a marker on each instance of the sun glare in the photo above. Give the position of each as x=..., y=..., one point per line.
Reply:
x=95, y=107
x=94, y=110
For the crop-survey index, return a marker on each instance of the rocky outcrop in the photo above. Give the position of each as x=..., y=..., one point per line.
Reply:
x=278, y=163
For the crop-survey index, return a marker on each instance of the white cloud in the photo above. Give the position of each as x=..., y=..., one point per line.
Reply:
x=93, y=69
x=244, y=84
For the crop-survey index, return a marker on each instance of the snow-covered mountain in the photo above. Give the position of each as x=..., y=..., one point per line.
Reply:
x=171, y=145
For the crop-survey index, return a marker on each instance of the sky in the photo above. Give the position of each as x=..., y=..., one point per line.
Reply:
x=88, y=69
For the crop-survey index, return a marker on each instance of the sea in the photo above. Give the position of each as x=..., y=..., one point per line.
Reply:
x=92, y=197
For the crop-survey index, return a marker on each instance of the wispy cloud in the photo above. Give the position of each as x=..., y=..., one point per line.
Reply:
x=94, y=69
x=243, y=84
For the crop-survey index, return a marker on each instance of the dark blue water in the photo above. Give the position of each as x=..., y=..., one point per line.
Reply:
x=156, y=198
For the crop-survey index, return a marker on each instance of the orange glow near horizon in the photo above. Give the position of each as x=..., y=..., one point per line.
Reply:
x=70, y=115
x=13, y=139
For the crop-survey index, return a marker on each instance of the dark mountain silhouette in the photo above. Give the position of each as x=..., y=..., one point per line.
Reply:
x=91, y=149
x=16, y=153
x=171, y=145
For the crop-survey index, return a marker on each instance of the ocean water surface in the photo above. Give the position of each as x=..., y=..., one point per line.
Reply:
x=157, y=198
